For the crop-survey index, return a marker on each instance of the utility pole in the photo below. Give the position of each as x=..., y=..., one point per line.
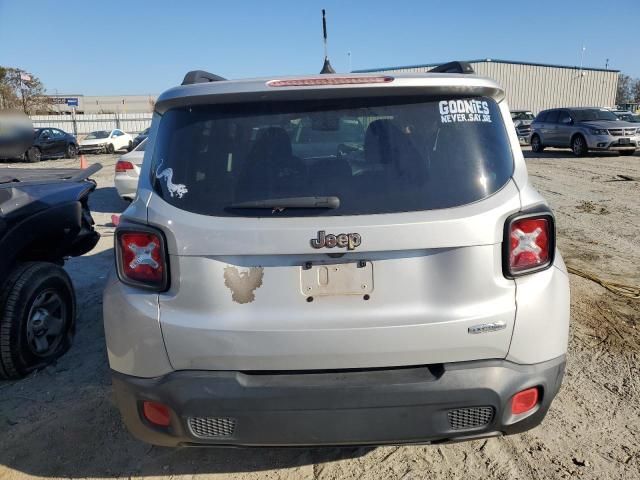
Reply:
x=580, y=78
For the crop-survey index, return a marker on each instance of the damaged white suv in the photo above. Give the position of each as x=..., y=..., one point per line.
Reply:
x=335, y=260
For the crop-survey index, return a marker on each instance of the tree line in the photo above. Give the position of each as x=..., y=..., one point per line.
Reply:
x=628, y=90
x=21, y=90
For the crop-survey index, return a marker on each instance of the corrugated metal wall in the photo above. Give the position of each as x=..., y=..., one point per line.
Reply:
x=83, y=124
x=535, y=87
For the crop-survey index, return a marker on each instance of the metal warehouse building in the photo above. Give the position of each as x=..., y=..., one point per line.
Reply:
x=63, y=104
x=537, y=86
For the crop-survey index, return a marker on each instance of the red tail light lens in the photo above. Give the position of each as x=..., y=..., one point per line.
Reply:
x=122, y=166
x=524, y=401
x=317, y=81
x=530, y=244
x=157, y=413
x=141, y=259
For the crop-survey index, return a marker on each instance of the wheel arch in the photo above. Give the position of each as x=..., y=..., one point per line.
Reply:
x=48, y=235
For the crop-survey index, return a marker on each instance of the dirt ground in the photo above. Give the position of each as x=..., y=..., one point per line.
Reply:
x=61, y=422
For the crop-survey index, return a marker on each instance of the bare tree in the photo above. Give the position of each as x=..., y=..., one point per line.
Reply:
x=624, y=95
x=635, y=91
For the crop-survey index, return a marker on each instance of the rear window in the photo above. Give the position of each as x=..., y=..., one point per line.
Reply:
x=380, y=155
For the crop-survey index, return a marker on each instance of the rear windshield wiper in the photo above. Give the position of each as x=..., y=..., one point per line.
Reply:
x=293, y=202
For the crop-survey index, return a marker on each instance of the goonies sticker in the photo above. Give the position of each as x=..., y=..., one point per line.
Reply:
x=458, y=111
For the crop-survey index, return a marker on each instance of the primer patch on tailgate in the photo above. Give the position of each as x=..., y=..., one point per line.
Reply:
x=244, y=283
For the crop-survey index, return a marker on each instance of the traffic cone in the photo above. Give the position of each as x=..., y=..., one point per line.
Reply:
x=83, y=162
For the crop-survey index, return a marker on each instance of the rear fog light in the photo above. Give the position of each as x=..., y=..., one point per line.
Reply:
x=157, y=413
x=524, y=401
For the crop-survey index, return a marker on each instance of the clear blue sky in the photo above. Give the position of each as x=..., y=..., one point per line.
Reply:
x=135, y=47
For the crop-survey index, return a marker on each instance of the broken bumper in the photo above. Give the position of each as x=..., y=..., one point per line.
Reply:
x=445, y=402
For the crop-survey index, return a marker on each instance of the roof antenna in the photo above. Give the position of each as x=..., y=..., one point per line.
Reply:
x=326, y=68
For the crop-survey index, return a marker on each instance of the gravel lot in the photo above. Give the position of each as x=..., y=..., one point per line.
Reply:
x=61, y=422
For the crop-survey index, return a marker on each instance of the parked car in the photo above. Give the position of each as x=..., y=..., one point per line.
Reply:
x=582, y=130
x=51, y=143
x=44, y=219
x=522, y=121
x=404, y=289
x=624, y=115
x=627, y=116
x=106, y=141
x=128, y=172
x=140, y=138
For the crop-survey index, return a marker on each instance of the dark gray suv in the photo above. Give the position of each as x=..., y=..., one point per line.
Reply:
x=583, y=129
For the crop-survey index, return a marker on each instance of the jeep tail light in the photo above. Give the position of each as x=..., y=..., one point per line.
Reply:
x=529, y=243
x=140, y=258
x=524, y=401
x=122, y=166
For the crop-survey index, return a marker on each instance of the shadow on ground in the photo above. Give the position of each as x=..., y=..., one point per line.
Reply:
x=106, y=200
x=558, y=154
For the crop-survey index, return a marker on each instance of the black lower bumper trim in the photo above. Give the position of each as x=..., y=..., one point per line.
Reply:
x=365, y=407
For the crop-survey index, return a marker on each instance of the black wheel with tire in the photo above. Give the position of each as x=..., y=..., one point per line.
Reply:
x=37, y=318
x=536, y=144
x=110, y=148
x=71, y=151
x=33, y=155
x=579, y=146
x=627, y=152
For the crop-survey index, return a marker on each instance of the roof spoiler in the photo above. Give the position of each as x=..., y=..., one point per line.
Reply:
x=200, y=76
x=453, y=67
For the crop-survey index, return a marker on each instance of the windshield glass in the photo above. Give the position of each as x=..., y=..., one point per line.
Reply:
x=376, y=155
x=522, y=116
x=587, y=114
x=97, y=135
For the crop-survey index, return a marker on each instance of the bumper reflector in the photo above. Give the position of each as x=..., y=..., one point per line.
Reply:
x=524, y=401
x=156, y=413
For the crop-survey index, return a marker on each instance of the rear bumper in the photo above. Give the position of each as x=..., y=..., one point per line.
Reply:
x=126, y=185
x=446, y=402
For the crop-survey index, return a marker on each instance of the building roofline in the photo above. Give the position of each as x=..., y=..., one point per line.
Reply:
x=488, y=60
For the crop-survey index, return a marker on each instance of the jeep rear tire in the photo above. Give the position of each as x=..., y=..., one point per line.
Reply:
x=579, y=146
x=536, y=144
x=37, y=318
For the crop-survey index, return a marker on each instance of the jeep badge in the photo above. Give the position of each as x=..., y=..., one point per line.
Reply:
x=343, y=240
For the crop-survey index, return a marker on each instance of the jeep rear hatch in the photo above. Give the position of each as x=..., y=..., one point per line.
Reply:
x=405, y=268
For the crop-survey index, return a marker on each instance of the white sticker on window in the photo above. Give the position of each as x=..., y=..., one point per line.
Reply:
x=175, y=189
x=459, y=111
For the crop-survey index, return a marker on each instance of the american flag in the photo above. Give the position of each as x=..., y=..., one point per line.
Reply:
x=25, y=77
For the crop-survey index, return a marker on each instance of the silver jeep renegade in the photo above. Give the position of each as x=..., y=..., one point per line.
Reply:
x=335, y=260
